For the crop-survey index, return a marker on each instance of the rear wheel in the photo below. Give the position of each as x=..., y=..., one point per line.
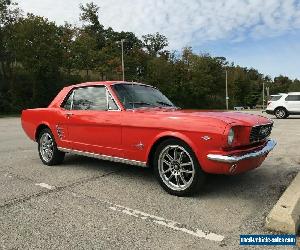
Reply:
x=281, y=113
x=177, y=168
x=48, y=152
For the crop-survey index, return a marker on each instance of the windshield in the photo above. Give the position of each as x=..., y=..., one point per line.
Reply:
x=138, y=96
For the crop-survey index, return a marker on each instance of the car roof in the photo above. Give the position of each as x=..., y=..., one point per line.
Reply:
x=85, y=84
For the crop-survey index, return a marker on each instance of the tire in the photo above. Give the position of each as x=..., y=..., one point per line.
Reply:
x=47, y=147
x=281, y=113
x=177, y=169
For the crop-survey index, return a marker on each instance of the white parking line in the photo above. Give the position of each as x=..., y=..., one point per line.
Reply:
x=45, y=185
x=167, y=223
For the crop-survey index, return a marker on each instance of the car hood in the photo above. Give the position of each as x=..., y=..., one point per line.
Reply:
x=229, y=117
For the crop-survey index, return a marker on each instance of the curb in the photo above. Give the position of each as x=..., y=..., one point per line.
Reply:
x=285, y=215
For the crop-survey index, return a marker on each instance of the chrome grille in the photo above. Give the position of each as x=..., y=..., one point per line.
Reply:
x=260, y=132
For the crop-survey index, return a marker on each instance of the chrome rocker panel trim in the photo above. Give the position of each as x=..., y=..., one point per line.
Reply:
x=233, y=159
x=103, y=157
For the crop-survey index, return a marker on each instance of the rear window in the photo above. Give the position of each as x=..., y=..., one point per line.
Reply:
x=275, y=98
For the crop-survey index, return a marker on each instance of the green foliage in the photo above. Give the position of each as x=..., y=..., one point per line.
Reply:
x=38, y=58
x=89, y=15
x=295, y=86
x=155, y=43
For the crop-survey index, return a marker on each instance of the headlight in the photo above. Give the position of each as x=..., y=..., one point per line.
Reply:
x=230, y=136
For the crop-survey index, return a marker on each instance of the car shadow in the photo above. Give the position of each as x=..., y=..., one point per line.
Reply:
x=257, y=185
x=99, y=165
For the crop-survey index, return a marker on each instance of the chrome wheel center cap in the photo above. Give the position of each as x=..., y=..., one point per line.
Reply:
x=176, y=165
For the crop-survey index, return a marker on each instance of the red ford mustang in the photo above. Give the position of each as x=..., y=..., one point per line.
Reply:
x=136, y=124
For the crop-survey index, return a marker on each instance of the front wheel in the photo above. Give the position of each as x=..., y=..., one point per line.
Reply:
x=177, y=168
x=48, y=152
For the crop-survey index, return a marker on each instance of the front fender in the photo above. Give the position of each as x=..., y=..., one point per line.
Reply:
x=178, y=135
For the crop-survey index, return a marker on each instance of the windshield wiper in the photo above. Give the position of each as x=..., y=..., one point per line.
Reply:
x=165, y=104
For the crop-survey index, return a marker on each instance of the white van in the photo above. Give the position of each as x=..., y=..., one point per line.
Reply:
x=282, y=105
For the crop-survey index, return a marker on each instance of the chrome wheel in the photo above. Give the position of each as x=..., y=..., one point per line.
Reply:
x=46, y=147
x=176, y=167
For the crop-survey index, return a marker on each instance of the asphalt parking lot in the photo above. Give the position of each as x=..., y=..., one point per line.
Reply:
x=92, y=204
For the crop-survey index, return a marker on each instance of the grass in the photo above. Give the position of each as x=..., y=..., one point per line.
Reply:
x=9, y=115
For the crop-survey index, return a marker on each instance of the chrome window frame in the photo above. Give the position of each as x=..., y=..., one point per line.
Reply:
x=72, y=99
x=109, y=94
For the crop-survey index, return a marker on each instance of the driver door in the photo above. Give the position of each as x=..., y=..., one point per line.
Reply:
x=93, y=122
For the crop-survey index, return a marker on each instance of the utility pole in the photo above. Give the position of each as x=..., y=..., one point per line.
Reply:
x=122, y=46
x=268, y=92
x=263, y=94
x=226, y=86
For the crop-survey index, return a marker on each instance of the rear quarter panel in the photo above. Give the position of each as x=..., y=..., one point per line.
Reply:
x=31, y=119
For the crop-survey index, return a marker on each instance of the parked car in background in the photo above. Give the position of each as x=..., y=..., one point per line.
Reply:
x=238, y=108
x=136, y=124
x=283, y=105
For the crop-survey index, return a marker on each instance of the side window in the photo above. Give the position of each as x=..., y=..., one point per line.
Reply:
x=111, y=103
x=293, y=98
x=67, y=104
x=90, y=98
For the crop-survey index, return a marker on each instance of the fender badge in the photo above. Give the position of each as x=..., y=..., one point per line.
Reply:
x=60, y=131
x=140, y=145
x=206, y=138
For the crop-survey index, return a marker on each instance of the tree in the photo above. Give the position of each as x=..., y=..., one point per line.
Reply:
x=85, y=52
x=90, y=16
x=155, y=43
x=68, y=35
x=9, y=14
x=37, y=45
x=295, y=86
x=280, y=85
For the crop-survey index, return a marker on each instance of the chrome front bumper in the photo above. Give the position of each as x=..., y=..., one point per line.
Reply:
x=236, y=158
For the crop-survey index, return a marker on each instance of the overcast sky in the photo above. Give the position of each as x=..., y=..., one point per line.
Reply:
x=264, y=34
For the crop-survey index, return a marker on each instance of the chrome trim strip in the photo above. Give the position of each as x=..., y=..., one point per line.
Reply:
x=112, y=97
x=104, y=157
x=72, y=100
x=263, y=124
x=233, y=159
